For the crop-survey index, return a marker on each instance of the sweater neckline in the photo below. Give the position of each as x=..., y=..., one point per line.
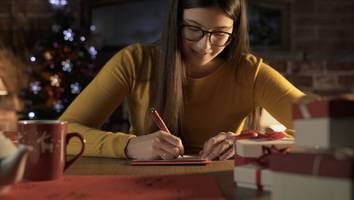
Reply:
x=207, y=77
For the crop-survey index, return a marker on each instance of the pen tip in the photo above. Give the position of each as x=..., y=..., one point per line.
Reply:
x=152, y=109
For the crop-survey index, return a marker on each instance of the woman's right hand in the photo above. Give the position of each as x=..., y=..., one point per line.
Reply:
x=157, y=145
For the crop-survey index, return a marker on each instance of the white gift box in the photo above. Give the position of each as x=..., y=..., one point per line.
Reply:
x=246, y=176
x=324, y=124
x=250, y=155
x=311, y=176
x=252, y=148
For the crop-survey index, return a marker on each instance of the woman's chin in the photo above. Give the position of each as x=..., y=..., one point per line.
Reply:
x=200, y=62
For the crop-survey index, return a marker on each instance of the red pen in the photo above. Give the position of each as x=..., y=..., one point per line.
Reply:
x=159, y=122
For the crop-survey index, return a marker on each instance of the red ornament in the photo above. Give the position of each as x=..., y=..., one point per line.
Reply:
x=67, y=49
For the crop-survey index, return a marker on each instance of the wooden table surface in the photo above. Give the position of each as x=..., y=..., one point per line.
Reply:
x=222, y=171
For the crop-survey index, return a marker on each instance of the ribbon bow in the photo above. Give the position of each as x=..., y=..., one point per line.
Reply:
x=256, y=135
x=263, y=160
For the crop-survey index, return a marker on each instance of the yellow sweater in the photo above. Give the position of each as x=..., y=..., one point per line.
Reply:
x=215, y=103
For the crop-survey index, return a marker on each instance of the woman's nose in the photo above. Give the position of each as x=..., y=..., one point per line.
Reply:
x=204, y=43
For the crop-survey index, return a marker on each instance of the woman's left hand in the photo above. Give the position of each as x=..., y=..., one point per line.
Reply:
x=219, y=147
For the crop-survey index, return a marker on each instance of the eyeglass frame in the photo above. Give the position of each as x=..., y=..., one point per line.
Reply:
x=210, y=33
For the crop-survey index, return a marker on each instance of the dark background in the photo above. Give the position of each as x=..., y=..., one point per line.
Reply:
x=309, y=41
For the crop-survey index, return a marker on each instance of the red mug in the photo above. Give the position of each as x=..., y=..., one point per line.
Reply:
x=49, y=139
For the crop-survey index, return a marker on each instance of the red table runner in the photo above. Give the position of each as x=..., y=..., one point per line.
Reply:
x=118, y=187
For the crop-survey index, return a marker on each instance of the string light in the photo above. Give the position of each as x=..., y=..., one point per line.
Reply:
x=33, y=59
x=58, y=3
x=47, y=55
x=55, y=80
x=69, y=34
x=75, y=88
x=92, y=51
x=63, y=56
x=58, y=106
x=67, y=66
x=35, y=87
x=93, y=28
x=31, y=115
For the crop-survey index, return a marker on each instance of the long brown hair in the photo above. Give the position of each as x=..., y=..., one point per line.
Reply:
x=169, y=77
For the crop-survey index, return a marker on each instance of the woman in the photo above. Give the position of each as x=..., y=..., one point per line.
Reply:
x=201, y=78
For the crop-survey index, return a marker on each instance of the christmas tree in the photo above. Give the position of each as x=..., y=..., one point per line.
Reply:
x=60, y=66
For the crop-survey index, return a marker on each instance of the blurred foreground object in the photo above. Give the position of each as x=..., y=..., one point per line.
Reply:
x=12, y=163
x=324, y=123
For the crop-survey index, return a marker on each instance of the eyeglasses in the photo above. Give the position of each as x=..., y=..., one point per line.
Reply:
x=195, y=33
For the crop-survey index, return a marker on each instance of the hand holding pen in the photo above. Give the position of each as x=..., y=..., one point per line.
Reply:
x=162, y=126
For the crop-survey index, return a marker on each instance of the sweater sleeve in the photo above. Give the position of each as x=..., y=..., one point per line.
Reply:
x=96, y=103
x=276, y=94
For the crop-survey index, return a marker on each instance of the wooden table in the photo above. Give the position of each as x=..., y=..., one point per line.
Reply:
x=222, y=171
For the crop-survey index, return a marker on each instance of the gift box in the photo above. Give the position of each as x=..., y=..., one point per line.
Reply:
x=252, y=148
x=312, y=175
x=251, y=158
x=324, y=124
x=252, y=176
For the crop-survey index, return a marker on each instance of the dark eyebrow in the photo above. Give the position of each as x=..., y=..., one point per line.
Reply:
x=196, y=23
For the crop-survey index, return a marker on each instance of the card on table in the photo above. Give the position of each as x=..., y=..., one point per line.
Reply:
x=185, y=160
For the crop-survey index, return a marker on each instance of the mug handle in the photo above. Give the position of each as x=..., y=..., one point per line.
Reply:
x=69, y=136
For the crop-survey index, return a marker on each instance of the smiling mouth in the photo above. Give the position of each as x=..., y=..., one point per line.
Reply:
x=201, y=54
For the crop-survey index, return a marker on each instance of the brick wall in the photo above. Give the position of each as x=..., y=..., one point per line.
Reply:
x=321, y=58
x=23, y=22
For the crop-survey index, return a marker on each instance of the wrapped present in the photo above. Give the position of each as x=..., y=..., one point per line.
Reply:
x=312, y=175
x=250, y=145
x=251, y=158
x=324, y=124
x=252, y=176
x=252, y=148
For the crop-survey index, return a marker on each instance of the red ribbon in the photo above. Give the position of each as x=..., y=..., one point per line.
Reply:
x=255, y=135
x=259, y=179
x=262, y=161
